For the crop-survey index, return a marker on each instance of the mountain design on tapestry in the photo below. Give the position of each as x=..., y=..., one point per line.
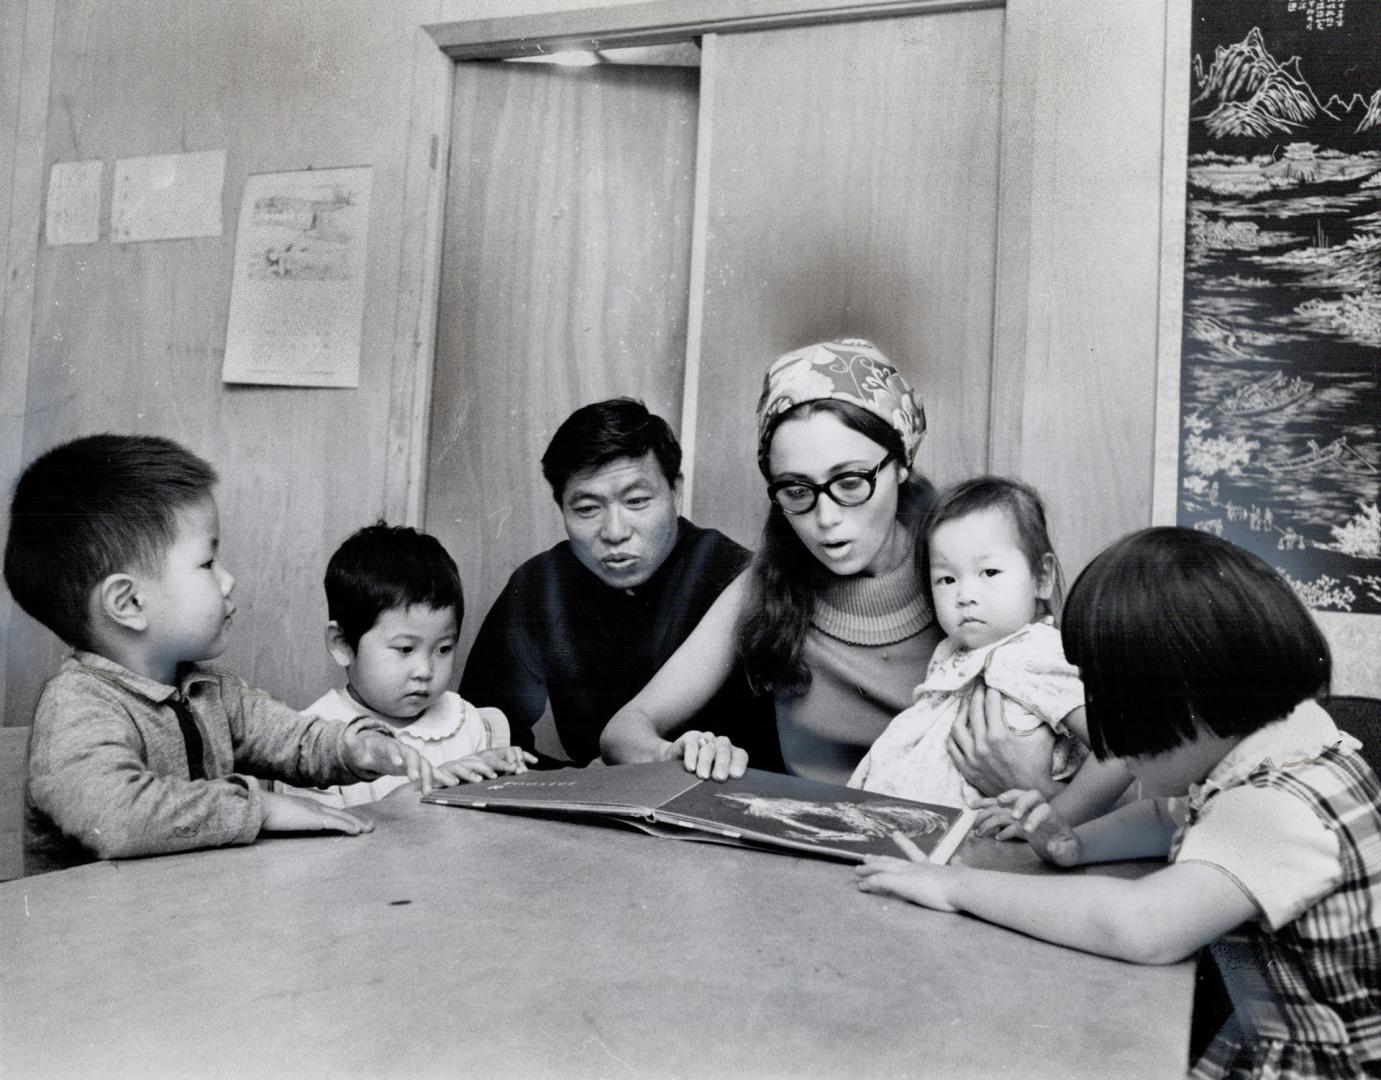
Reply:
x=1255, y=94
x=1369, y=111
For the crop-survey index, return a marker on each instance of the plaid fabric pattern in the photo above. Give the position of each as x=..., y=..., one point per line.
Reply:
x=1307, y=998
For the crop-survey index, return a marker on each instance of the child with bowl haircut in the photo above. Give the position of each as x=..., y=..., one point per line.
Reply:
x=1200, y=666
x=136, y=748
x=394, y=600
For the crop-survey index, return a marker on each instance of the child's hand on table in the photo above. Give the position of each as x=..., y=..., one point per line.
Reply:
x=485, y=765
x=373, y=752
x=921, y=883
x=992, y=819
x=287, y=813
x=1044, y=829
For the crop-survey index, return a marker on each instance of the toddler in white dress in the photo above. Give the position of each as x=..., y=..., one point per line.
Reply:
x=994, y=583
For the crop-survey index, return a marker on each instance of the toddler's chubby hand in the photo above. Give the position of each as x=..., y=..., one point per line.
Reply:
x=485, y=765
x=1052, y=837
x=994, y=820
x=920, y=883
x=288, y=813
x=374, y=753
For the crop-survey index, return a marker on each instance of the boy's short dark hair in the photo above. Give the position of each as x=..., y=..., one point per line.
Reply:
x=381, y=567
x=1170, y=625
x=597, y=434
x=92, y=507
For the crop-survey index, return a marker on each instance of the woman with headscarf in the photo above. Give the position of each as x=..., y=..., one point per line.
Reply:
x=832, y=618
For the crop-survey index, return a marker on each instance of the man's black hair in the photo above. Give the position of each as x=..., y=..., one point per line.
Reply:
x=597, y=434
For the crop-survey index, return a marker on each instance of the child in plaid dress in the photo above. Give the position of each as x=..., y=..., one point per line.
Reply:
x=1199, y=666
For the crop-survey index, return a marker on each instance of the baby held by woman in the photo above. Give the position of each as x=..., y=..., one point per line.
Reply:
x=995, y=587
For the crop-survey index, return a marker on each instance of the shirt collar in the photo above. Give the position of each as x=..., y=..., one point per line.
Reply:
x=440, y=721
x=145, y=687
x=1296, y=739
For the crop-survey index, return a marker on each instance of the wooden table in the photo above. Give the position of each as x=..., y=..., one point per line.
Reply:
x=454, y=942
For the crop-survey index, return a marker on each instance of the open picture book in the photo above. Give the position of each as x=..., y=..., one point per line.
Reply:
x=761, y=809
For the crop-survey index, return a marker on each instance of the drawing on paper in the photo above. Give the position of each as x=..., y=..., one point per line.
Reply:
x=1280, y=384
x=298, y=290
x=305, y=237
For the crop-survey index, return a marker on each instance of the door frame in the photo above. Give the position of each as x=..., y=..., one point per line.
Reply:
x=661, y=22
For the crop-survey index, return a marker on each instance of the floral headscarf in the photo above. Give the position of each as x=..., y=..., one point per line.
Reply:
x=851, y=370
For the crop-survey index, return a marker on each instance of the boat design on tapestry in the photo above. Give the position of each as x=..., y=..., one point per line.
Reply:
x=1267, y=395
x=1336, y=452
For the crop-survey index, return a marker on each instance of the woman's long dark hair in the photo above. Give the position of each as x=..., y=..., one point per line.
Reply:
x=785, y=575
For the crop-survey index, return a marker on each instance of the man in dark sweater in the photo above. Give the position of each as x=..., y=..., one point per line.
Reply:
x=587, y=623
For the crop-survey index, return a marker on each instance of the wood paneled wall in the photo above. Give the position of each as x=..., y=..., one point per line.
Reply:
x=26, y=47
x=130, y=337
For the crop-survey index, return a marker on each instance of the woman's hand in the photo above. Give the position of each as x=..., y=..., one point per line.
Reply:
x=287, y=813
x=921, y=883
x=639, y=731
x=709, y=756
x=995, y=759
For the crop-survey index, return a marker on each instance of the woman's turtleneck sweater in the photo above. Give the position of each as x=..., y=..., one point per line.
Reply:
x=867, y=648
